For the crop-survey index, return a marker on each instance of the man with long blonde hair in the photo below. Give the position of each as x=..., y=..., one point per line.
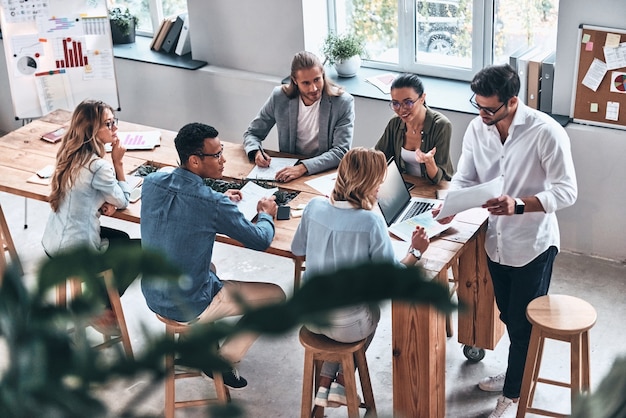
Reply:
x=314, y=118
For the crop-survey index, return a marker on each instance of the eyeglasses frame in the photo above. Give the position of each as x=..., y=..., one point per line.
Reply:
x=488, y=111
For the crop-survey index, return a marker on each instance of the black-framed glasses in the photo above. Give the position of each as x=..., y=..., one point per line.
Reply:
x=407, y=104
x=487, y=110
x=111, y=123
x=217, y=155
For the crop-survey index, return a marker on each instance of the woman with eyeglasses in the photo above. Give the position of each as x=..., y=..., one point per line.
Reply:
x=418, y=138
x=85, y=186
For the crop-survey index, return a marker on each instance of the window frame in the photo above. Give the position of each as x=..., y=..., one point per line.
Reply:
x=482, y=42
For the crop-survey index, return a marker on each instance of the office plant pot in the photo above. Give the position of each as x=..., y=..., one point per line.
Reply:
x=348, y=67
x=123, y=35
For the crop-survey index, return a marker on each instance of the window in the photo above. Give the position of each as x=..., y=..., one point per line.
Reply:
x=151, y=12
x=445, y=38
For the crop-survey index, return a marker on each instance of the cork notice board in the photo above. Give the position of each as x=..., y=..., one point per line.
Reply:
x=600, y=80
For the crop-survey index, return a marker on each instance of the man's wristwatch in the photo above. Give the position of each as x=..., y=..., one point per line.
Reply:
x=415, y=253
x=519, y=206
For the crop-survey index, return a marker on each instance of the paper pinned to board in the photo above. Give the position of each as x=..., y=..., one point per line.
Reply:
x=470, y=197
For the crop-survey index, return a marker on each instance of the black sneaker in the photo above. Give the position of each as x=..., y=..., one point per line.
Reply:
x=231, y=378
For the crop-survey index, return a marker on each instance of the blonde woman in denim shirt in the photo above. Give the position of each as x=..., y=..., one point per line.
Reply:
x=85, y=186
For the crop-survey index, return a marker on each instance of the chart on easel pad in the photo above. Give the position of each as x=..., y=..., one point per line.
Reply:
x=58, y=53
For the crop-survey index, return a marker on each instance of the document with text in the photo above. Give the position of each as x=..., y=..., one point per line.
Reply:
x=469, y=197
x=251, y=194
x=269, y=173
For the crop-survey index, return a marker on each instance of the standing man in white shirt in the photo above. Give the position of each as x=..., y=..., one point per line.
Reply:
x=531, y=153
x=314, y=118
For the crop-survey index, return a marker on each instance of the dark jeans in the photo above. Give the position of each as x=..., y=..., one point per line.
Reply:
x=514, y=289
x=119, y=238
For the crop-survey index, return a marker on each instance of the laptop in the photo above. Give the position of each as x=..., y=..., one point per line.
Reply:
x=400, y=209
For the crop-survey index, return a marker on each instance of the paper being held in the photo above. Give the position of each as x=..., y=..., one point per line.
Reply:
x=470, y=197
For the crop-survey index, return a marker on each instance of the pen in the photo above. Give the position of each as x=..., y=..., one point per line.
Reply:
x=263, y=152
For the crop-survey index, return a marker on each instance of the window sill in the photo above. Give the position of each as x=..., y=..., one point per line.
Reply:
x=140, y=51
x=443, y=94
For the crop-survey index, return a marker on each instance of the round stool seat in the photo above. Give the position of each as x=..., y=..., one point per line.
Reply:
x=318, y=342
x=561, y=314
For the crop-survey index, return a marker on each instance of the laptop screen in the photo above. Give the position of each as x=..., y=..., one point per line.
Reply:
x=393, y=196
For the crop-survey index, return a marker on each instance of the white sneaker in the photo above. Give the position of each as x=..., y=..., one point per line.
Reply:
x=505, y=408
x=492, y=383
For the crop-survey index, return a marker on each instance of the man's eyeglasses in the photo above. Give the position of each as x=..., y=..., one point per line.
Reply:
x=407, y=104
x=111, y=123
x=487, y=110
x=217, y=155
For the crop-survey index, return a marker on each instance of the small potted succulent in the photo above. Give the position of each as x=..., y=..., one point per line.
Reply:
x=123, y=25
x=345, y=52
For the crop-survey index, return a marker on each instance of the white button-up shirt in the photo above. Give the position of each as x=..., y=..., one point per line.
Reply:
x=535, y=160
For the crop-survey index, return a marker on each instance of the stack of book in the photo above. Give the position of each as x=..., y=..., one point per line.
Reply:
x=172, y=37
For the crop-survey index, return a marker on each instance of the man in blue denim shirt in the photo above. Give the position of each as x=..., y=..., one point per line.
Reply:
x=180, y=217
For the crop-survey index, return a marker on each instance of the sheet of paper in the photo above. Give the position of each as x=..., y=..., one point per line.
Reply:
x=612, y=110
x=382, y=81
x=269, y=173
x=615, y=57
x=404, y=229
x=136, y=140
x=252, y=193
x=470, y=197
x=595, y=74
x=323, y=184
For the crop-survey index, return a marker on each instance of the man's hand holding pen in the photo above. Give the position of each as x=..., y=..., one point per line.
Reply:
x=262, y=159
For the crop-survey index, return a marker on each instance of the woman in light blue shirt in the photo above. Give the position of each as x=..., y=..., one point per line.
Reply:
x=343, y=231
x=85, y=186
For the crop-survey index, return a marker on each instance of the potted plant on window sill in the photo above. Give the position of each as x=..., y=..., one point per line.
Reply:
x=123, y=25
x=345, y=52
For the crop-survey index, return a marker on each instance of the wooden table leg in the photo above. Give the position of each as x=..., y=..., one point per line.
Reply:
x=419, y=355
x=479, y=325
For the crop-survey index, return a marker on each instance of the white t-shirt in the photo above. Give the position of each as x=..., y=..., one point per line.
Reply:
x=308, y=128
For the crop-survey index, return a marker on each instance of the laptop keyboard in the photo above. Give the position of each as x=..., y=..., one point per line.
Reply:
x=417, y=208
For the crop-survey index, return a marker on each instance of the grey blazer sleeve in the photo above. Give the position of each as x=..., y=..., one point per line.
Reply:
x=264, y=121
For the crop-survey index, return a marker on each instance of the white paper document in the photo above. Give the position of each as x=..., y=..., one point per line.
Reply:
x=269, y=173
x=470, y=197
x=251, y=194
x=323, y=184
x=404, y=230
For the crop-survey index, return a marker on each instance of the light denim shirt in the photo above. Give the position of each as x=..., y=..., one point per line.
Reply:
x=338, y=235
x=180, y=216
x=77, y=221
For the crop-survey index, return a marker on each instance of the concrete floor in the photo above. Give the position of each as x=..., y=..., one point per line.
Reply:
x=273, y=366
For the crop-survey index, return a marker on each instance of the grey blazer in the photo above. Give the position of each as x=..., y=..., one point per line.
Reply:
x=335, y=134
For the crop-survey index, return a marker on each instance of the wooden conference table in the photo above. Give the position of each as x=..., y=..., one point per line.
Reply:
x=418, y=332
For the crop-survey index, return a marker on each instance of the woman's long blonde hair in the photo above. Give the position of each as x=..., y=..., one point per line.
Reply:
x=360, y=173
x=78, y=146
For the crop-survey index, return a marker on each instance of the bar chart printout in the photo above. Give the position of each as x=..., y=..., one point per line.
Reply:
x=139, y=140
x=72, y=54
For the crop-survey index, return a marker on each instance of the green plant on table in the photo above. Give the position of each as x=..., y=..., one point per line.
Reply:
x=342, y=47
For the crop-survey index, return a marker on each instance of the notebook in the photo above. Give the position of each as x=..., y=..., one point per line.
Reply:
x=400, y=209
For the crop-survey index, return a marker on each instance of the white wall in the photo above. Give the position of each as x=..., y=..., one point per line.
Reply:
x=259, y=43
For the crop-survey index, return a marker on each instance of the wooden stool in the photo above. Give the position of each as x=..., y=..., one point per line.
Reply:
x=6, y=242
x=317, y=349
x=112, y=336
x=563, y=318
x=172, y=328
